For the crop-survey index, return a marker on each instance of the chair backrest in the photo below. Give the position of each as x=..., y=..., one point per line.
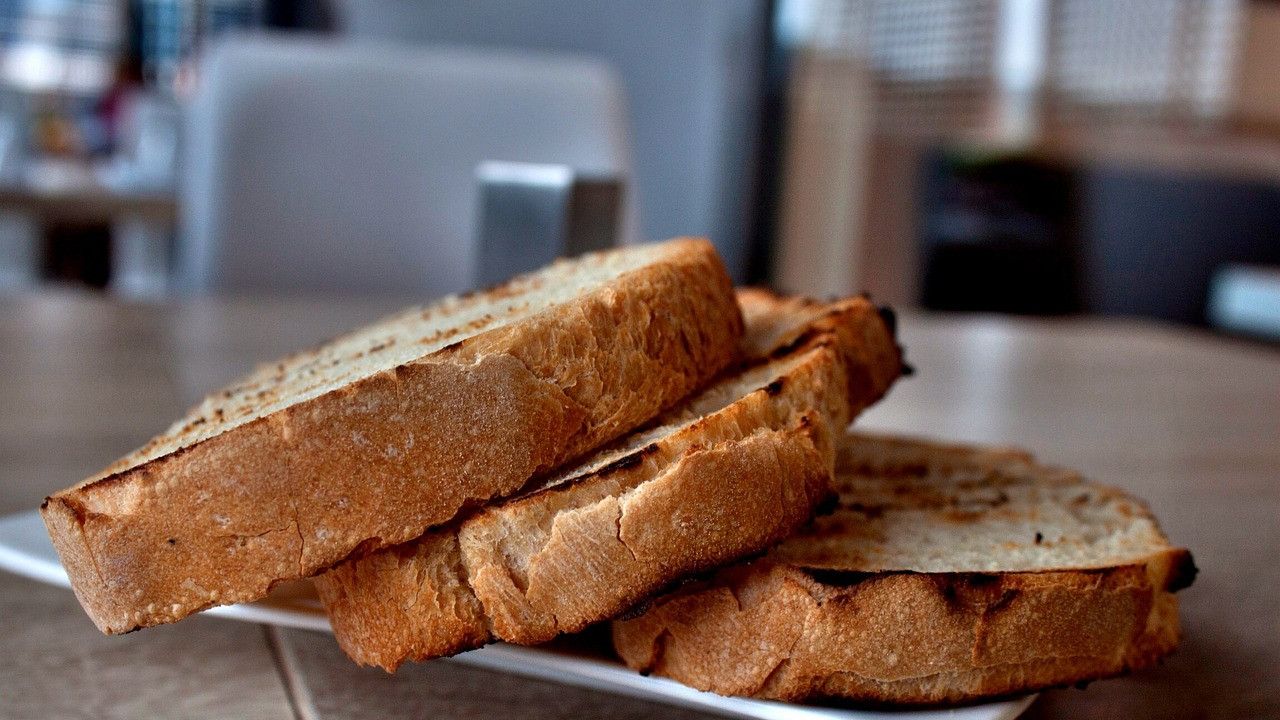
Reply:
x=328, y=166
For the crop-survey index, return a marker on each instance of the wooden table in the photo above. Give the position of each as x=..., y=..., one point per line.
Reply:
x=1190, y=422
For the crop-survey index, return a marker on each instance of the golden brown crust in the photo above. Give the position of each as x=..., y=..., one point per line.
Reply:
x=906, y=638
x=375, y=462
x=711, y=505
x=699, y=494
x=415, y=602
x=427, y=607
x=773, y=629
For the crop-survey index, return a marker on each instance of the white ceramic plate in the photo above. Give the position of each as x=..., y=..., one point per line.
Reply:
x=25, y=550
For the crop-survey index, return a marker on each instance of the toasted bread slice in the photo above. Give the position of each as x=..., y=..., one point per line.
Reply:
x=728, y=473
x=946, y=574
x=369, y=440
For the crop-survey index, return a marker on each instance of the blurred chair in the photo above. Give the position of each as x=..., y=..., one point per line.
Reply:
x=19, y=236
x=330, y=167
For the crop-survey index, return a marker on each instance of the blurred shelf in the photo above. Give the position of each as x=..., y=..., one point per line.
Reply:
x=90, y=204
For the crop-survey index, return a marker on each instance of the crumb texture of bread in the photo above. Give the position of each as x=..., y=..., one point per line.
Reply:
x=369, y=440
x=728, y=473
x=946, y=574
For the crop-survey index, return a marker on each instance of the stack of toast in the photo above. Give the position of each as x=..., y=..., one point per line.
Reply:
x=624, y=438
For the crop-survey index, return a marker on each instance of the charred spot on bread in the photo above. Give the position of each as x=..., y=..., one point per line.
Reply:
x=840, y=578
x=968, y=590
x=829, y=504
x=890, y=319
x=871, y=512
x=540, y=485
x=635, y=611
x=629, y=460
x=794, y=344
x=1184, y=573
x=775, y=387
x=1007, y=596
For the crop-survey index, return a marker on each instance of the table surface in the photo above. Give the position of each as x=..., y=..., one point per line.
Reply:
x=1190, y=422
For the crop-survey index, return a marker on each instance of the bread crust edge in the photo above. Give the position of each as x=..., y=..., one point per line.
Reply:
x=904, y=638
x=160, y=550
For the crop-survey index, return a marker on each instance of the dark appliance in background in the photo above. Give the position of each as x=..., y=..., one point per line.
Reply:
x=1020, y=235
x=77, y=253
x=998, y=235
x=1152, y=241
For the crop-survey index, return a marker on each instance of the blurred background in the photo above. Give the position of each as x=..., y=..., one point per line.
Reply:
x=1036, y=157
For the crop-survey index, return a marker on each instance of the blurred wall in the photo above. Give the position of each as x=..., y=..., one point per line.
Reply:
x=692, y=72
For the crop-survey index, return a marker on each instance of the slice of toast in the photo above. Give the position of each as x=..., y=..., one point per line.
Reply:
x=946, y=574
x=369, y=440
x=728, y=473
